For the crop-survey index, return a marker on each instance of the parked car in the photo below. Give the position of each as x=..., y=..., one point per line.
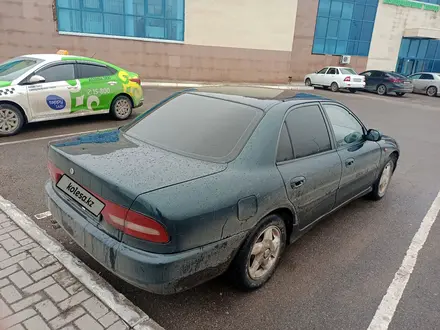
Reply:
x=384, y=82
x=46, y=87
x=211, y=180
x=426, y=82
x=336, y=78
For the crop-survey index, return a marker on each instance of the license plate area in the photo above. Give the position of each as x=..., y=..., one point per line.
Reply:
x=357, y=80
x=80, y=195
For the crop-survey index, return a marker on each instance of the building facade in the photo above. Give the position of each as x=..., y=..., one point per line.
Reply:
x=228, y=40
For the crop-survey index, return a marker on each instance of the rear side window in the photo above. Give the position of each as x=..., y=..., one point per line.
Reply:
x=331, y=71
x=426, y=76
x=92, y=70
x=376, y=74
x=200, y=126
x=308, y=132
x=285, y=151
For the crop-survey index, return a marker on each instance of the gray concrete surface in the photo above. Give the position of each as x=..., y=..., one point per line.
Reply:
x=335, y=276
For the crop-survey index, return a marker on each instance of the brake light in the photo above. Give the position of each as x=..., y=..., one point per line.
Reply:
x=396, y=80
x=347, y=78
x=55, y=173
x=136, y=80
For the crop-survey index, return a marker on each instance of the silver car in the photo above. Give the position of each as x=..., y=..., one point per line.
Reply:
x=426, y=83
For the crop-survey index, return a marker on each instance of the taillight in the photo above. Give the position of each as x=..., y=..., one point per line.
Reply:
x=347, y=78
x=55, y=173
x=136, y=80
x=396, y=80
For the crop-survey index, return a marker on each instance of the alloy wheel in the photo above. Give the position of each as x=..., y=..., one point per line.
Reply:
x=9, y=121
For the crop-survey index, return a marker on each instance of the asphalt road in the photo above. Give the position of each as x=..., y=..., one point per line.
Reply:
x=332, y=278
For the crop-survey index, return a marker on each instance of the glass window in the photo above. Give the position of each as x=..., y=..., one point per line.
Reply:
x=413, y=48
x=322, y=71
x=16, y=67
x=285, y=151
x=366, y=74
x=346, y=128
x=347, y=71
x=92, y=70
x=59, y=72
x=376, y=74
x=197, y=125
x=331, y=71
x=415, y=76
x=158, y=19
x=417, y=55
x=344, y=27
x=426, y=76
x=308, y=131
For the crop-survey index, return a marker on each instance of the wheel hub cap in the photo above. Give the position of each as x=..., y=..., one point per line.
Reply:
x=265, y=252
x=123, y=108
x=8, y=121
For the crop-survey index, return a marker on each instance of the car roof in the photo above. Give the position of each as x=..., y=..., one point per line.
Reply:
x=255, y=96
x=52, y=57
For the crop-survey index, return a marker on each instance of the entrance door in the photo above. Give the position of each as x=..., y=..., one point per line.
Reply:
x=408, y=67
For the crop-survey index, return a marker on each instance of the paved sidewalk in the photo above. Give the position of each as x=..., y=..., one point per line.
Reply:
x=37, y=292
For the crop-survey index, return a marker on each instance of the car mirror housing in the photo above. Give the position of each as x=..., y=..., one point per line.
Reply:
x=36, y=79
x=373, y=135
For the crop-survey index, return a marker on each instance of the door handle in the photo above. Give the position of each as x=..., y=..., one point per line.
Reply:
x=297, y=182
x=112, y=83
x=349, y=162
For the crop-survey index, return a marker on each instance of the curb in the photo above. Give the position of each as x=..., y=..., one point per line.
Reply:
x=195, y=85
x=132, y=315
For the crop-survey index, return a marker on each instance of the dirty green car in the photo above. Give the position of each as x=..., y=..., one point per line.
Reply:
x=37, y=88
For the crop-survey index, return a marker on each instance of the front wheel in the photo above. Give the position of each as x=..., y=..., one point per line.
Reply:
x=431, y=91
x=380, y=187
x=11, y=120
x=121, y=107
x=260, y=254
x=334, y=87
x=400, y=93
x=308, y=82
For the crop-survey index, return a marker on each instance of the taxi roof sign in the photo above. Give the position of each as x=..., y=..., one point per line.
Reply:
x=62, y=52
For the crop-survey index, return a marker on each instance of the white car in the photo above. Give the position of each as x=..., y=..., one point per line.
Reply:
x=45, y=87
x=336, y=78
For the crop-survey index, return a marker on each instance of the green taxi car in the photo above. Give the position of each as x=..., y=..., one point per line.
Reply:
x=46, y=87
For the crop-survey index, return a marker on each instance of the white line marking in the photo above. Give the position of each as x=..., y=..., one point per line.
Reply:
x=119, y=304
x=42, y=215
x=50, y=137
x=387, y=308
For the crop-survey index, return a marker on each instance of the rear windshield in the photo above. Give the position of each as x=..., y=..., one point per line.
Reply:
x=14, y=68
x=347, y=71
x=396, y=75
x=200, y=126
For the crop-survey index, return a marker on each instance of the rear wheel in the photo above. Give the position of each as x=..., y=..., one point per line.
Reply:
x=380, y=187
x=352, y=90
x=334, y=86
x=260, y=254
x=308, y=82
x=121, y=107
x=400, y=93
x=431, y=91
x=382, y=90
x=11, y=120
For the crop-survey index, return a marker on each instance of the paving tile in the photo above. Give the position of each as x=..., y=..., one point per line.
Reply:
x=118, y=326
x=74, y=300
x=18, y=235
x=10, y=294
x=17, y=327
x=27, y=302
x=13, y=260
x=56, y=293
x=20, y=279
x=74, y=288
x=4, y=309
x=18, y=317
x=48, y=261
x=108, y=319
x=4, y=282
x=3, y=254
x=38, y=253
x=23, y=248
x=87, y=322
x=64, y=278
x=47, y=309
x=8, y=271
x=48, y=281
x=36, y=323
x=95, y=307
x=30, y=265
x=66, y=317
x=10, y=244
x=46, y=271
x=26, y=241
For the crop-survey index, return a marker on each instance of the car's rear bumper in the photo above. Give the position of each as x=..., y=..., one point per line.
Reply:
x=354, y=85
x=157, y=273
x=400, y=88
x=141, y=103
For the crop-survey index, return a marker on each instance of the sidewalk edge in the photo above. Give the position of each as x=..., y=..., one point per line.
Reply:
x=118, y=303
x=195, y=85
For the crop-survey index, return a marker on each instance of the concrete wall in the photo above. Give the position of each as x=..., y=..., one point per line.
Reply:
x=391, y=23
x=254, y=24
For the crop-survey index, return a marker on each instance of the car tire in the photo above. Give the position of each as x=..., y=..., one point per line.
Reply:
x=400, y=94
x=380, y=187
x=382, y=90
x=121, y=107
x=11, y=120
x=308, y=82
x=431, y=91
x=352, y=90
x=246, y=270
x=334, y=87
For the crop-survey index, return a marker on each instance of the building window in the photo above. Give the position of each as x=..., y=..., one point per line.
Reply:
x=157, y=19
x=418, y=55
x=344, y=27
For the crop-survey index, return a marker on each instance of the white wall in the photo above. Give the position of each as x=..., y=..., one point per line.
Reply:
x=391, y=23
x=255, y=24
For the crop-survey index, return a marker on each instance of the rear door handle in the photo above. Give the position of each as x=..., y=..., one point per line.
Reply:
x=297, y=182
x=349, y=162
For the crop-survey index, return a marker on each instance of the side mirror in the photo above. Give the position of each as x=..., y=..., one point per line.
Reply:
x=36, y=79
x=373, y=135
